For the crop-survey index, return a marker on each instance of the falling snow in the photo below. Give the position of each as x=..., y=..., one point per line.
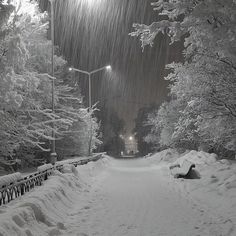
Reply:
x=92, y=35
x=154, y=110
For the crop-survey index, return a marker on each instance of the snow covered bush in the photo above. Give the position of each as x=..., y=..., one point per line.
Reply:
x=202, y=111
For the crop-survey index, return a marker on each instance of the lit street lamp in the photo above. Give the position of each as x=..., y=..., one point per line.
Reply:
x=90, y=95
x=89, y=76
x=53, y=154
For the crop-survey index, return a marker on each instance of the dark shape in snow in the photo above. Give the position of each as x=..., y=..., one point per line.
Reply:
x=184, y=170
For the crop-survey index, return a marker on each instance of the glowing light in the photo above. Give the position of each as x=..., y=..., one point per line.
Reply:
x=70, y=69
x=131, y=138
x=108, y=67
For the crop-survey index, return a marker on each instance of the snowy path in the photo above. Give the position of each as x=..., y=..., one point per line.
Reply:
x=132, y=199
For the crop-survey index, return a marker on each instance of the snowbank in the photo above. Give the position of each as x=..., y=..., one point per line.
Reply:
x=92, y=168
x=7, y=179
x=44, y=167
x=43, y=211
x=218, y=175
x=69, y=168
x=75, y=159
x=168, y=155
x=200, y=158
x=214, y=191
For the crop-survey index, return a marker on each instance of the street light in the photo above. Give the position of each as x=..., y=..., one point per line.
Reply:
x=108, y=67
x=53, y=154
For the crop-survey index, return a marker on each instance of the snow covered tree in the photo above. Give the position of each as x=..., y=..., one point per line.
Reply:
x=112, y=126
x=209, y=96
x=24, y=89
x=165, y=129
x=75, y=141
x=142, y=129
x=202, y=23
x=8, y=128
x=203, y=87
x=25, y=83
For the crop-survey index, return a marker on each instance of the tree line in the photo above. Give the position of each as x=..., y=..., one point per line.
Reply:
x=201, y=112
x=26, y=90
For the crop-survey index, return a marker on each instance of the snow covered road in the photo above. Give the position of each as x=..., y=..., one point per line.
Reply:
x=133, y=198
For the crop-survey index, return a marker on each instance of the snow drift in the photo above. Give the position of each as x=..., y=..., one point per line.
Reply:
x=43, y=210
x=11, y=178
x=168, y=155
x=216, y=175
x=215, y=190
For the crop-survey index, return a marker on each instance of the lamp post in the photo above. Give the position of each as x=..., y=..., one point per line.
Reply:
x=90, y=95
x=89, y=77
x=53, y=155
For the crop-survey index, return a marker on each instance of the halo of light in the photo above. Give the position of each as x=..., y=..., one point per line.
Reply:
x=108, y=67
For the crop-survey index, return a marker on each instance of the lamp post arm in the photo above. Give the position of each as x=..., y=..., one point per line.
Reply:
x=81, y=71
x=95, y=71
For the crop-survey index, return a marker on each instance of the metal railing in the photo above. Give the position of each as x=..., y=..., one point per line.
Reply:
x=16, y=189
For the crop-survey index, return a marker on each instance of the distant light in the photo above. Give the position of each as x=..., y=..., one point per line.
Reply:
x=131, y=138
x=70, y=69
x=108, y=67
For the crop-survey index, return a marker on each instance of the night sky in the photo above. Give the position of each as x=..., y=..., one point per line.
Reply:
x=94, y=33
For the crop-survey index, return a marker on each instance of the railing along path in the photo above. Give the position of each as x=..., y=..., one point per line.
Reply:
x=18, y=188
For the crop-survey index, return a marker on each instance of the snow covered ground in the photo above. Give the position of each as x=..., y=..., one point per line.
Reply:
x=137, y=197
x=214, y=193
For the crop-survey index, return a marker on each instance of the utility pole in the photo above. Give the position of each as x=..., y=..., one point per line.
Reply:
x=53, y=155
